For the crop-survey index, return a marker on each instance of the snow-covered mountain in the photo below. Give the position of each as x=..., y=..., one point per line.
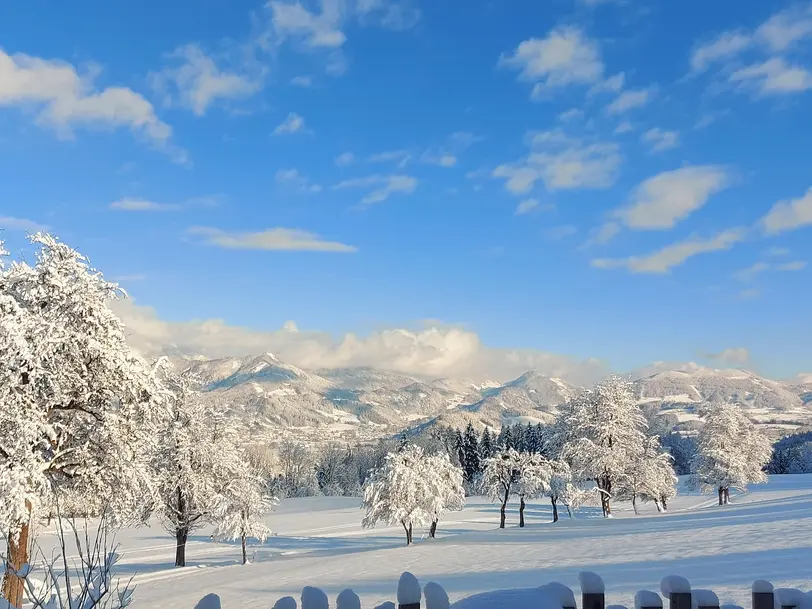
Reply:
x=366, y=403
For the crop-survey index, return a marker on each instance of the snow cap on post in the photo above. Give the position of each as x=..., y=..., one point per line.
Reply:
x=762, y=597
x=788, y=597
x=528, y=598
x=313, y=598
x=646, y=599
x=593, y=592
x=761, y=586
x=210, y=601
x=731, y=606
x=704, y=598
x=386, y=605
x=591, y=583
x=563, y=594
x=286, y=602
x=347, y=599
x=436, y=597
x=616, y=607
x=674, y=584
x=408, y=591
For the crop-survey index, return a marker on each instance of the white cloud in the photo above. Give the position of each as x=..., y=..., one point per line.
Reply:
x=441, y=160
x=662, y=261
x=661, y=140
x=630, y=100
x=302, y=81
x=736, y=356
x=667, y=198
x=623, y=127
x=128, y=204
x=277, y=239
x=345, y=159
x=562, y=162
x=387, y=186
x=292, y=176
x=65, y=99
x=613, y=84
x=774, y=77
x=400, y=156
x=526, y=206
x=787, y=27
x=22, y=224
x=724, y=46
x=197, y=82
x=566, y=56
x=434, y=350
x=750, y=273
x=322, y=30
x=573, y=114
x=293, y=123
x=789, y=215
x=777, y=252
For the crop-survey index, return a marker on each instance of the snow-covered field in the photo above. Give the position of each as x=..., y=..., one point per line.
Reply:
x=766, y=533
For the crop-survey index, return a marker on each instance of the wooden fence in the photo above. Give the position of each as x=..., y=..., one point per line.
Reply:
x=676, y=591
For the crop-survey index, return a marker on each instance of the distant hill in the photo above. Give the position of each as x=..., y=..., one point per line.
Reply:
x=363, y=403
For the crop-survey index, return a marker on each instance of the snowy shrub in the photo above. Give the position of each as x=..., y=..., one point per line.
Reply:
x=792, y=455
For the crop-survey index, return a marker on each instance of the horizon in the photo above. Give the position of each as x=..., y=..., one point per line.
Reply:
x=438, y=190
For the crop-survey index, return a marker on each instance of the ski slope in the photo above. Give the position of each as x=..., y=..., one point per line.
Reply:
x=766, y=533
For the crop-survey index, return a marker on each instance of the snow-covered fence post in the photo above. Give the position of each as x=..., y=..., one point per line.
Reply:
x=678, y=592
x=347, y=599
x=561, y=593
x=763, y=596
x=593, y=592
x=788, y=598
x=436, y=597
x=646, y=599
x=704, y=599
x=409, y=592
x=210, y=601
x=314, y=598
x=286, y=602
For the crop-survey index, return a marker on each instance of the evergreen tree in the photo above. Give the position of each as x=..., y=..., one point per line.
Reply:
x=486, y=448
x=472, y=466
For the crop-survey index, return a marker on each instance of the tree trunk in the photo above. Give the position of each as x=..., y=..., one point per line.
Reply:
x=433, y=529
x=411, y=539
x=17, y=556
x=605, y=488
x=664, y=502
x=569, y=512
x=244, y=553
x=502, y=510
x=521, y=511
x=658, y=505
x=181, y=535
x=634, y=505
x=721, y=496
x=726, y=496
x=555, y=509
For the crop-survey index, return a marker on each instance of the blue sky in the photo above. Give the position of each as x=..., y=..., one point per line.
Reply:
x=620, y=180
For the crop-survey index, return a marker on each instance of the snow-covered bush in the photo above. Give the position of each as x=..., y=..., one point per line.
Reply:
x=792, y=454
x=447, y=493
x=731, y=452
x=533, y=476
x=78, y=405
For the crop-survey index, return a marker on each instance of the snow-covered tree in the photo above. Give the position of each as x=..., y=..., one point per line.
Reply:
x=533, y=475
x=198, y=459
x=397, y=491
x=650, y=476
x=77, y=405
x=499, y=479
x=486, y=447
x=240, y=512
x=446, y=491
x=563, y=490
x=731, y=452
x=604, y=429
x=471, y=465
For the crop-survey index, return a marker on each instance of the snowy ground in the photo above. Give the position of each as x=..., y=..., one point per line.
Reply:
x=766, y=533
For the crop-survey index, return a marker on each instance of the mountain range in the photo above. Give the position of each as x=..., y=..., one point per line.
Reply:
x=364, y=403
